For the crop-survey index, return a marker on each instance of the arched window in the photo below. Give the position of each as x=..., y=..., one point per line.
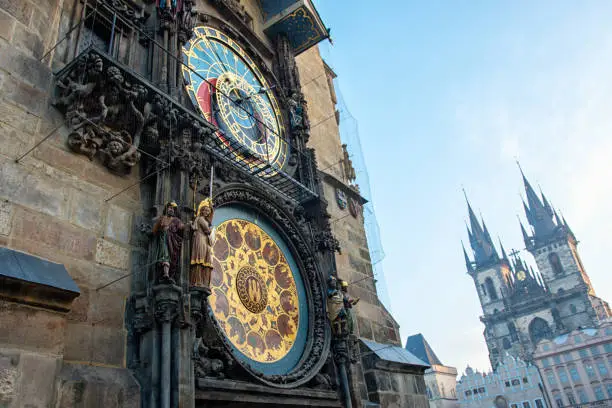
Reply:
x=539, y=330
x=506, y=343
x=512, y=330
x=491, y=289
x=555, y=263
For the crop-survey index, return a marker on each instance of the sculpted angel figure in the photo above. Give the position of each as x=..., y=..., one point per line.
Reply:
x=202, y=241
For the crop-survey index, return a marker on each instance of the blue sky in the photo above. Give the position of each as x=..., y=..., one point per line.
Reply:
x=449, y=94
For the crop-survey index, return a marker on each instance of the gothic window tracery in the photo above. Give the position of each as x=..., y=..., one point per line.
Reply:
x=513, y=332
x=555, y=263
x=490, y=288
x=539, y=330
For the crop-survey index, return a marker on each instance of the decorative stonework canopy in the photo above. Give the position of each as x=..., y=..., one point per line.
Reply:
x=297, y=19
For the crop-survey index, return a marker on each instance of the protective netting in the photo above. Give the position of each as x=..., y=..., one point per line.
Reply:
x=349, y=135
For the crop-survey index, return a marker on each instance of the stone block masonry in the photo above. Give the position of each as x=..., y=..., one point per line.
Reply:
x=53, y=205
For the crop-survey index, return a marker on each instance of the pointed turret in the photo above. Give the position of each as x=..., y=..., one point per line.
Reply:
x=539, y=212
x=567, y=227
x=525, y=235
x=468, y=263
x=480, y=240
x=503, y=251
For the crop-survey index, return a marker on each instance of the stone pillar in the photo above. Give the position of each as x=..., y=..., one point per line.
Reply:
x=341, y=357
x=167, y=300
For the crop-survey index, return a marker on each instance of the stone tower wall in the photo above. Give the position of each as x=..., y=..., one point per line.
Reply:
x=55, y=205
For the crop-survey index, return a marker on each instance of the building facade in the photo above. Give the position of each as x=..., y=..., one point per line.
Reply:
x=165, y=233
x=522, y=306
x=440, y=380
x=514, y=384
x=577, y=367
x=373, y=324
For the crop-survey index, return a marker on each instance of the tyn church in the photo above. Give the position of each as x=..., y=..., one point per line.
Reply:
x=522, y=306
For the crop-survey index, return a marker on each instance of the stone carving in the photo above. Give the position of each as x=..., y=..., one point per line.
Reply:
x=168, y=232
x=349, y=302
x=326, y=241
x=110, y=114
x=106, y=113
x=336, y=311
x=186, y=21
x=166, y=9
x=347, y=165
x=127, y=11
x=201, y=250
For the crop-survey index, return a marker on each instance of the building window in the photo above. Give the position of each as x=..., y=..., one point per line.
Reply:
x=513, y=333
x=575, y=375
x=516, y=382
x=484, y=289
x=545, y=362
x=601, y=367
x=557, y=359
x=526, y=404
x=563, y=376
x=468, y=393
x=582, y=396
x=583, y=353
x=428, y=391
x=481, y=390
x=555, y=263
x=506, y=343
x=599, y=394
x=589, y=370
x=570, y=397
x=507, y=383
x=513, y=406
x=525, y=380
x=595, y=350
x=490, y=288
x=609, y=389
x=539, y=330
x=573, y=309
x=539, y=403
x=577, y=339
x=551, y=378
x=608, y=347
x=475, y=391
x=558, y=400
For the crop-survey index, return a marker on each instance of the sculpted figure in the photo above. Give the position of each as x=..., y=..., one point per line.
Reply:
x=168, y=232
x=201, y=250
x=336, y=313
x=348, y=302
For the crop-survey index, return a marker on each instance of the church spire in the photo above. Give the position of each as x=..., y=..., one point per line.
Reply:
x=480, y=239
x=539, y=212
x=503, y=251
x=525, y=235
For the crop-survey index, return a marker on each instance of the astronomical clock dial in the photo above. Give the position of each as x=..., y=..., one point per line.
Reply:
x=231, y=93
x=520, y=275
x=258, y=297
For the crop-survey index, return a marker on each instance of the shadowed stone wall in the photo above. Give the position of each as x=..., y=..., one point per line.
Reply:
x=53, y=205
x=372, y=320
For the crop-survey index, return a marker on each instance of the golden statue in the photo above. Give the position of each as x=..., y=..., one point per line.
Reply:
x=201, y=249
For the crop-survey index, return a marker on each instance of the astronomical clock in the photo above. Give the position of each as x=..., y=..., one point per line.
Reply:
x=266, y=300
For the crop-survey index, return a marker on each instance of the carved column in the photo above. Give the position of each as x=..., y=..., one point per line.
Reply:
x=167, y=303
x=341, y=357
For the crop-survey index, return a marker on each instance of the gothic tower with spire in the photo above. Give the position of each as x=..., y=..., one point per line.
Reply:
x=520, y=305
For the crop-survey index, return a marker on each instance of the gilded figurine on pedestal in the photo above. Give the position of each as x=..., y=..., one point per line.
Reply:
x=168, y=232
x=201, y=250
